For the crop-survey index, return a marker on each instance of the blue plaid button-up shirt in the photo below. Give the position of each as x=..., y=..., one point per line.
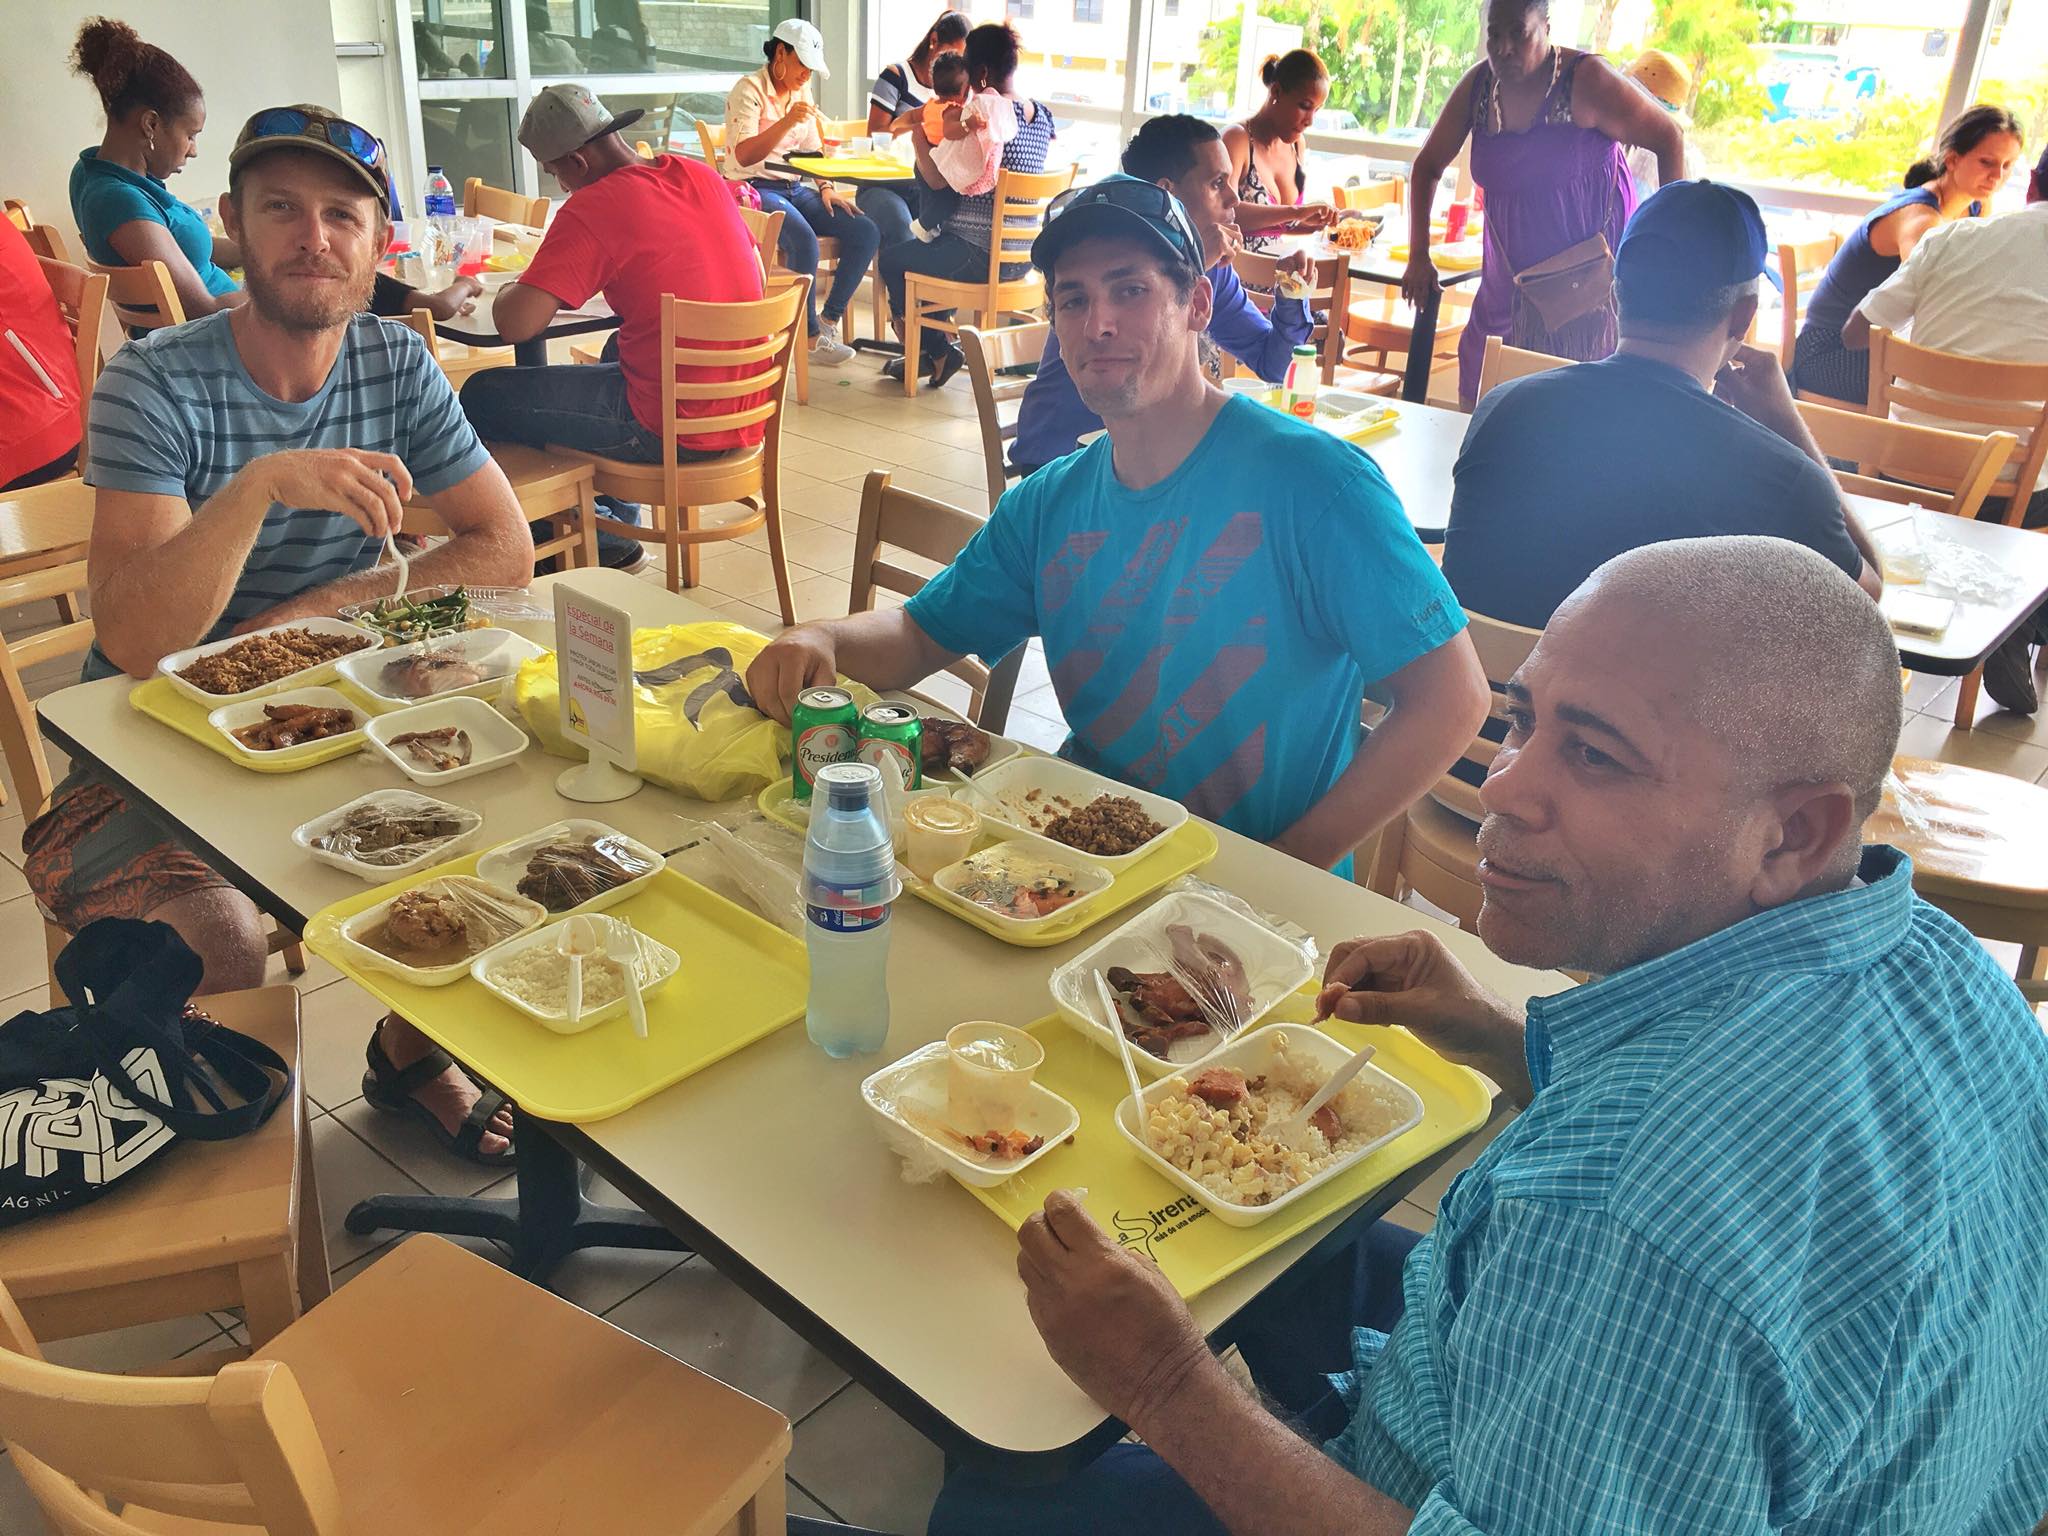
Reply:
x=1768, y=1252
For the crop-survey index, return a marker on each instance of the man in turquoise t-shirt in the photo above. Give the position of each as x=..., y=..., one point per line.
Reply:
x=1215, y=583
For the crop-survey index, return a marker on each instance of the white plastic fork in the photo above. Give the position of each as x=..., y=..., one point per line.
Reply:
x=1123, y=1048
x=1291, y=1128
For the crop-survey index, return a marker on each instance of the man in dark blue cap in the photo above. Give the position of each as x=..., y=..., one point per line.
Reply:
x=1686, y=431
x=1216, y=583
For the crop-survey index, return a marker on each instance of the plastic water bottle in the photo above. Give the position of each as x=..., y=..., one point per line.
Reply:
x=849, y=882
x=440, y=194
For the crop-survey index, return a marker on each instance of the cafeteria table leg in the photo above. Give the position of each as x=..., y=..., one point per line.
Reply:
x=1422, y=348
x=544, y=1223
x=533, y=352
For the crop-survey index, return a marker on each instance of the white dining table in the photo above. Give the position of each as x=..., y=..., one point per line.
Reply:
x=768, y=1163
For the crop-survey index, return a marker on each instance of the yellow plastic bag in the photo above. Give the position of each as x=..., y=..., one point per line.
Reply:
x=696, y=727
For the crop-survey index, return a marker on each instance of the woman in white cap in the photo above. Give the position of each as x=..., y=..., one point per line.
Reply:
x=769, y=115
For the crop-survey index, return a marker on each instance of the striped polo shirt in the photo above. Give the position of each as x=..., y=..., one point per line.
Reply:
x=176, y=414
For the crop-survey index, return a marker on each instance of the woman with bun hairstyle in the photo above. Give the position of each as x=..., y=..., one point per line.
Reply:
x=1970, y=162
x=1266, y=153
x=125, y=213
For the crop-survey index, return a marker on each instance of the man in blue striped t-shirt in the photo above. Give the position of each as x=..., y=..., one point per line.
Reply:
x=248, y=467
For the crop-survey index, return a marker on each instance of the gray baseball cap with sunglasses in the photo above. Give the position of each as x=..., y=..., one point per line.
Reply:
x=1119, y=205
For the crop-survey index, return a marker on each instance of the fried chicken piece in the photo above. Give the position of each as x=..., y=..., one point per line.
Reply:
x=951, y=744
x=1154, y=1009
x=425, y=920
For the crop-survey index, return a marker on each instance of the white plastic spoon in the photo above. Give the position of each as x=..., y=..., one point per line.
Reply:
x=1292, y=1127
x=578, y=939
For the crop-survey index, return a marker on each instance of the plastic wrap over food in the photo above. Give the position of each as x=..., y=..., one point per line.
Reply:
x=440, y=924
x=1287, y=928
x=397, y=830
x=565, y=874
x=755, y=863
x=446, y=610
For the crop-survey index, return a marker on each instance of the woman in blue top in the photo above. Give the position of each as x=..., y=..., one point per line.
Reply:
x=1968, y=165
x=125, y=213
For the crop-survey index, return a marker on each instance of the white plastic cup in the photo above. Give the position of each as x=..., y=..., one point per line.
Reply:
x=989, y=1069
x=864, y=144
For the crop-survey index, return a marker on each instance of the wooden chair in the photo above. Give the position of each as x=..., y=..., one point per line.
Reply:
x=481, y=201
x=1329, y=294
x=759, y=335
x=1503, y=362
x=1979, y=845
x=142, y=296
x=1433, y=848
x=1382, y=326
x=935, y=531
x=437, y=1392
x=711, y=136
x=1800, y=265
x=766, y=228
x=46, y=242
x=208, y=1225
x=1968, y=394
x=18, y=214
x=1020, y=200
x=988, y=353
x=82, y=301
x=1383, y=193
x=20, y=745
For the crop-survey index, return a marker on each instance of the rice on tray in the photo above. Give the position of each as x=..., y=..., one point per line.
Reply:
x=539, y=977
x=1224, y=1147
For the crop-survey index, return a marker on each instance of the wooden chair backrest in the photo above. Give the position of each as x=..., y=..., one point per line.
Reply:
x=843, y=128
x=82, y=301
x=988, y=352
x=1384, y=192
x=932, y=530
x=482, y=201
x=1903, y=462
x=712, y=137
x=239, y=1447
x=1800, y=265
x=1021, y=198
x=1504, y=362
x=757, y=336
x=1502, y=649
x=21, y=744
x=1329, y=298
x=1972, y=394
x=422, y=320
x=766, y=228
x=46, y=242
x=142, y=296
x=18, y=214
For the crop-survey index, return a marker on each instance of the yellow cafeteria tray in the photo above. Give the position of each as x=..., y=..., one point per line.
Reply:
x=1186, y=851
x=1142, y=1210
x=164, y=704
x=742, y=979
x=853, y=167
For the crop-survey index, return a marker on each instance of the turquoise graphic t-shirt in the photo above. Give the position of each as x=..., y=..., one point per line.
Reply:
x=1209, y=637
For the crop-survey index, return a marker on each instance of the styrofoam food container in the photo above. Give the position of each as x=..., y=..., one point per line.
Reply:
x=664, y=962
x=505, y=865
x=399, y=800
x=493, y=740
x=1056, y=776
x=1022, y=859
x=908, y=1097
x=1351, y=402
x=1274, y=966
x=1253, y=1054
x=497, y=652
x=232, y=717
x=177, y=661
x=533, y=913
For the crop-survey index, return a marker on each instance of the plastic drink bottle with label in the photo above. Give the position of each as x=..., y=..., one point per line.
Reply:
x=849, y=883
x=1304, y=378
x=440, y=228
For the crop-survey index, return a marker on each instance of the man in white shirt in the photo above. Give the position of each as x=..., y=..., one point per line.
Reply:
x=1980, y=287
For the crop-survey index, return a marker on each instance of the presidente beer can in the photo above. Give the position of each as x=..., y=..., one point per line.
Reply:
x=892, y=738
x=824, y=728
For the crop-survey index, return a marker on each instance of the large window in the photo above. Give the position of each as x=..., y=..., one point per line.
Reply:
x=458, y=39
x=2016, y=77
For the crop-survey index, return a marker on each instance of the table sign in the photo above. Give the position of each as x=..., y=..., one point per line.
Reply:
x=594, y=658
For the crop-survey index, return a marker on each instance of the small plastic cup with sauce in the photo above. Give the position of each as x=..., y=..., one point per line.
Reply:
x=938, y=831
x=989, y=1068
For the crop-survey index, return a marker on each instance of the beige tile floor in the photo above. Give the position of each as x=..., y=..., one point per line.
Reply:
x=853, y=1458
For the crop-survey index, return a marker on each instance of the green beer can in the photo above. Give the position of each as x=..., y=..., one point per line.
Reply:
x=824, y=728
x=892, y=738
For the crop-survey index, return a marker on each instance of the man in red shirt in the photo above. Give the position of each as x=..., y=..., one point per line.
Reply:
x=634, y=230
x=38, y=371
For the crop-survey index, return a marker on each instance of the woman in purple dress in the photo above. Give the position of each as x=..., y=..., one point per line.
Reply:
x=1550, y=130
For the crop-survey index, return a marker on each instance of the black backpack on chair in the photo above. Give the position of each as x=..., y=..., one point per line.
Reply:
x=92, y=1092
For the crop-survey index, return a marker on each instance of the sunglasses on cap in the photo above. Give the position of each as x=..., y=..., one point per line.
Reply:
x=1148, y=200
x=291, y=123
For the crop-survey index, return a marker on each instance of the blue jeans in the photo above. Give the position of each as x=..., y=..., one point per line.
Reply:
x=805, y=221
x=1293, y=1336
x=950, y=257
